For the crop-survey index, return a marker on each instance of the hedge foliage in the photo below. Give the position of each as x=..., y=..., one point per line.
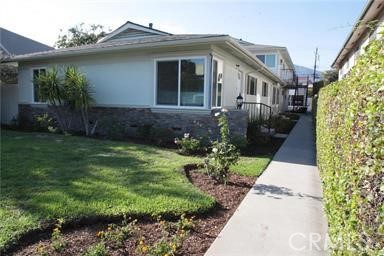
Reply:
x=350, y=149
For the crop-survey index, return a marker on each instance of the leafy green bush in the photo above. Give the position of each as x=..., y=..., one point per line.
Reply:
x=223, y=155
x=291, y=116
x=282, y=124
x=240, y=142
x=189, y=145
x=253, y=131
x=113, y=128
x=44, y=123
x=350, y=148
x=162, y=136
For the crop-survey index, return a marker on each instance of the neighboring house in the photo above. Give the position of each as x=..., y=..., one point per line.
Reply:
x=368, y=27
x=143, y=76
x=12, y=44
x=278, y=60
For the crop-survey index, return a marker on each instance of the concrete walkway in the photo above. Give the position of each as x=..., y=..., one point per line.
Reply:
x=282, y=214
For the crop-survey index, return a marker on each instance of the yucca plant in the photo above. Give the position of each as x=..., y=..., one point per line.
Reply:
x=79, y=95
x=51, y=90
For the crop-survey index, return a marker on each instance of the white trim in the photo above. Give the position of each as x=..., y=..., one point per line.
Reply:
x=33, y=86
x=132, y=26
x=246, y=86
x=178, y=106
x=218, y=59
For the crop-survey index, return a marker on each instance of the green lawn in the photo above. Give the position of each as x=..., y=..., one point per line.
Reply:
x=46, y=176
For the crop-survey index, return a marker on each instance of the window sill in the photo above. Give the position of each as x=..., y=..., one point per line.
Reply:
x=203, y=111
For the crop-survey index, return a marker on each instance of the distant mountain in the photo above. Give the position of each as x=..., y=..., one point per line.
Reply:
x=304, y=71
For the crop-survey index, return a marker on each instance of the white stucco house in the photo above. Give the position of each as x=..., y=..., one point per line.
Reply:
x=369, y=26
x=142, y=75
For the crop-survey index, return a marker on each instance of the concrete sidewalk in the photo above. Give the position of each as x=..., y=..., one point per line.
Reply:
x=283, y=213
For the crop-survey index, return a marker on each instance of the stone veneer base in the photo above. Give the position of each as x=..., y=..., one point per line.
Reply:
x=130, y=119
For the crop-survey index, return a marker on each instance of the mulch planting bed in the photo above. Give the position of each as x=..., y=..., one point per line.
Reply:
x=206, y=226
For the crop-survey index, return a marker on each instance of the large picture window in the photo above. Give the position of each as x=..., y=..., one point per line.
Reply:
x=36, y=94
x=180, y=82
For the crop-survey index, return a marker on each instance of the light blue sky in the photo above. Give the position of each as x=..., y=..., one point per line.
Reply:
x=299, y=25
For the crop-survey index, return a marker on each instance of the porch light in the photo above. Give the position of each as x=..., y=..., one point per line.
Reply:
x=239, y=101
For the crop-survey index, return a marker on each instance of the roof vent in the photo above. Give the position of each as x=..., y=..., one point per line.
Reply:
x=150, y=25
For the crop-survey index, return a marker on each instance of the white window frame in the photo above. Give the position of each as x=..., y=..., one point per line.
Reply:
x=222, y=83
x=256, y=82
x=266, y=89
x=179, y=58
x=33, y=85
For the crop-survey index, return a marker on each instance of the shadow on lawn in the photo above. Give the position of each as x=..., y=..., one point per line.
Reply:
x=51, y=176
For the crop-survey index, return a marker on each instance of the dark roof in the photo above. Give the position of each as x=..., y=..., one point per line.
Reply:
x=117, y=43
x=15, y=44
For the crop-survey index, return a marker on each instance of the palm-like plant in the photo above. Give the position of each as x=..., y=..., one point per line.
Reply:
x=51, y=90
x=78, y=94
x=49, y=84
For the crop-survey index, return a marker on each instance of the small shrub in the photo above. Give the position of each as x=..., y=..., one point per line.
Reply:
x=57, y=240
x=163, y=136
x=185, y=223
x=223, y=155
x=98, y=249
x=239, y=142
x=113, y=128
x=41, y=250
x=173, y=236
x=44, y=123
x=282, y=124
x=117, y=234
x=145, y=132
x=253, y=131
x=189, y=145
x=291, y=116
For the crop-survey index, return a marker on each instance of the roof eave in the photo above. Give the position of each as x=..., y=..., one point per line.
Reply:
x=210, y=40
x=362, y=15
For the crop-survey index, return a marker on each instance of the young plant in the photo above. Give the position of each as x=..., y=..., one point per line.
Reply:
x=224, y=153
x=98, y=249
x=173, y=236
x=117, y=234
x=189, y=145
x=57, y=239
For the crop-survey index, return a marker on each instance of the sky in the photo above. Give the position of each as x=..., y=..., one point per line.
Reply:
x=299, y=25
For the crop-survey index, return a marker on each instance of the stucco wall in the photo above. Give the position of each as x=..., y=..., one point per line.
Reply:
x=9, y=99
x=124, y=79
x=230, y=81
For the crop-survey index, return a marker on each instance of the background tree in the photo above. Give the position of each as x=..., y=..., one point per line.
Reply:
x=330, y=76
x=80, y=35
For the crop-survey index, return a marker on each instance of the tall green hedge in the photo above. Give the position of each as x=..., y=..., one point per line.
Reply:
x=350, y=149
